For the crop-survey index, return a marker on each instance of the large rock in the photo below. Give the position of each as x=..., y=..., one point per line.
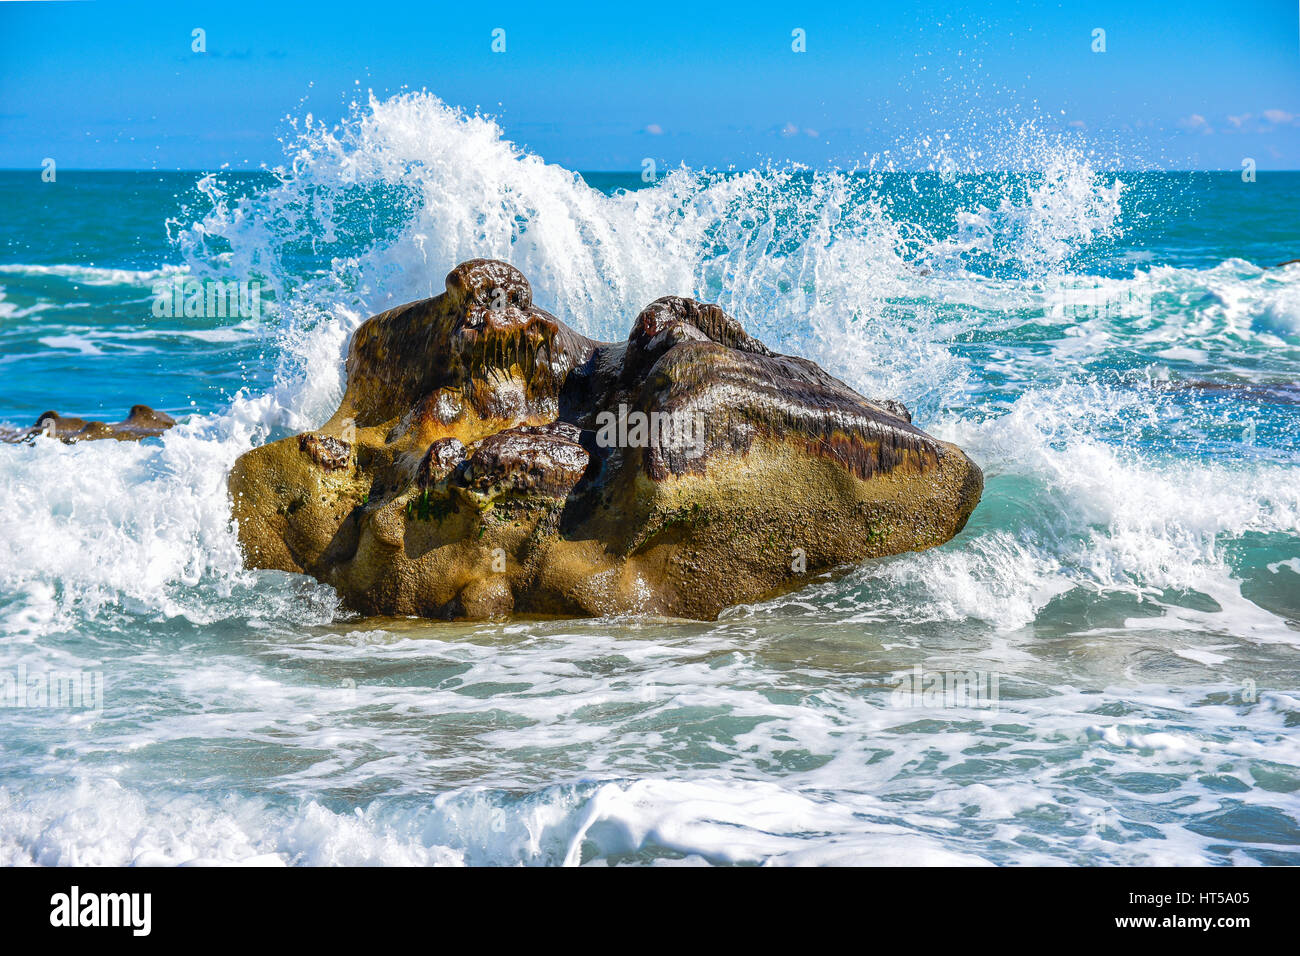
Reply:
x=486, y=459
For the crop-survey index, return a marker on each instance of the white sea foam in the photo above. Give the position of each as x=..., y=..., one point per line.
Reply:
x=146, y=526
x=94, y=275
x=571, y=741
x=76, y=343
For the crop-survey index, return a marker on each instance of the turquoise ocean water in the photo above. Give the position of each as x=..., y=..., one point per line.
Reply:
x=1120, y=352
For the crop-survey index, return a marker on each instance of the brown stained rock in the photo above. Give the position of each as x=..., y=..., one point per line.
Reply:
x=325, y=450
x=545, y=460
x=439, y=461
x=497, y=462
x=141, y=422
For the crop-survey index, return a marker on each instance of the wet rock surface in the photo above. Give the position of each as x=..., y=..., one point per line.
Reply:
x=486, y=459
x=141, y=422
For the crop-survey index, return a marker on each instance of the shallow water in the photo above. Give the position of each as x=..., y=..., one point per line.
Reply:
x=1116, y=350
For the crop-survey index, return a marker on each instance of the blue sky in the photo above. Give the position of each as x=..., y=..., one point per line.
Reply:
x=1180, y=85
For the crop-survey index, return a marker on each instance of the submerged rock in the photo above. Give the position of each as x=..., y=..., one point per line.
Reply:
x=486, y=460
x=141, y=422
